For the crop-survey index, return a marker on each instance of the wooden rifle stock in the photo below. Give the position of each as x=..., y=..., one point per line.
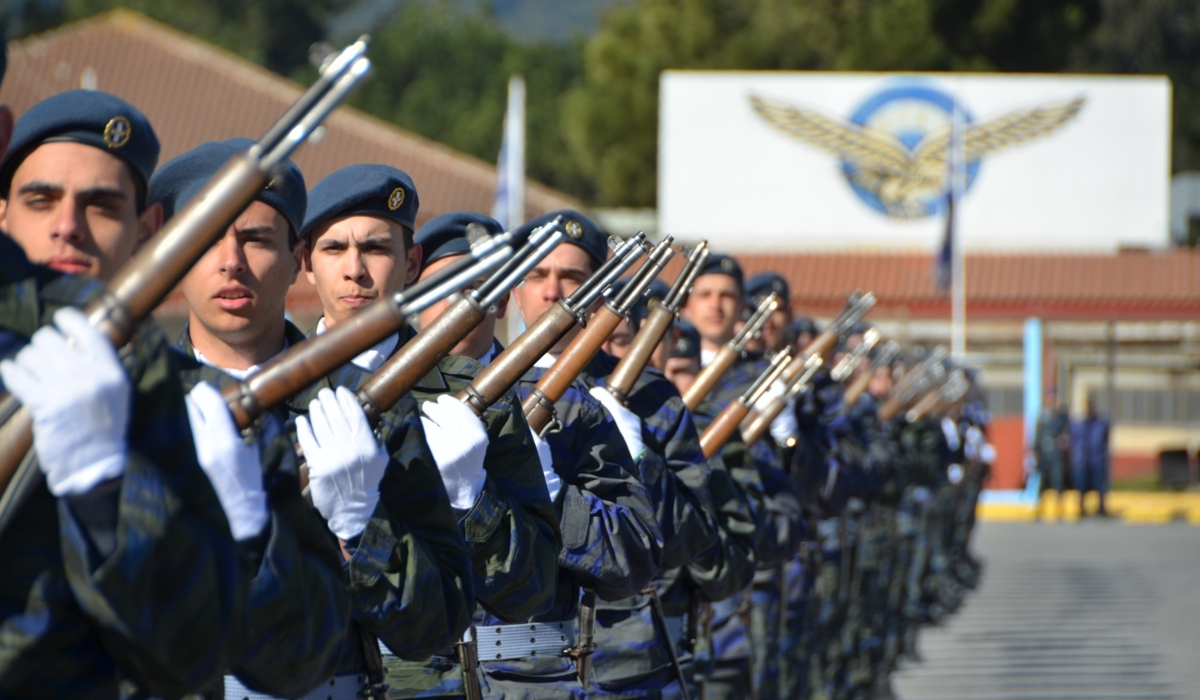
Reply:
x=927, y=403
x=656, y=325
x=857, y=388
x=709, y=376
x=761, y=422
x=539, y=405
x=408, y=364
x=142, y=284
x=723, y=426
x=299, y=366
x=507, y=368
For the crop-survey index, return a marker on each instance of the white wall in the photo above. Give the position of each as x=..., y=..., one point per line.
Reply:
x=1099, y=181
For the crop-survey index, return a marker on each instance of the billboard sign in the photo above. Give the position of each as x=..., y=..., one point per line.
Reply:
x=819, y=161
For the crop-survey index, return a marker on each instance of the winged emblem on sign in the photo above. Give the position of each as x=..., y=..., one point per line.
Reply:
x=901, y=176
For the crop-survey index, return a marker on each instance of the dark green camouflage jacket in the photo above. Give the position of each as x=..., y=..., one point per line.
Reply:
x=137, y=583
x=299, y=612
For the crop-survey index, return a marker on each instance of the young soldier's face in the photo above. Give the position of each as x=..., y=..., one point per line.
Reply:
x=241, y=283
x=73, y=208
x=357, y=259
x=555, y=277
x=714, y=307
x=682, y=371
x=479, y=340
x=774, y=331
x=618, y=343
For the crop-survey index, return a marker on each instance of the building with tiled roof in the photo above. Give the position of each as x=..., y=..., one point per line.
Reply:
x=194, y=92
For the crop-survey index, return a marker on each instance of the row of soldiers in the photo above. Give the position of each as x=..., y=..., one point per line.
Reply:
x=595, y=524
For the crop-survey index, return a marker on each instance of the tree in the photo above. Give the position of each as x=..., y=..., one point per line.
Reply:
x=1154, y=36
x=610, y=118
x=443, y=73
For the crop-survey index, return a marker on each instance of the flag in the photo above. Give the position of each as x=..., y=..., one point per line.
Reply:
x=943, y=261
x=509, y=207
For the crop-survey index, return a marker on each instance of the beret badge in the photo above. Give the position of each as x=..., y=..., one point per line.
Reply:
x=117, y=132
x=574, y=230
x=396, y=199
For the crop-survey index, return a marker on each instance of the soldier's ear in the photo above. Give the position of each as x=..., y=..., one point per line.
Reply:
x=415, y=255
x=6, y=127
x=502, y=306
x=149, y=222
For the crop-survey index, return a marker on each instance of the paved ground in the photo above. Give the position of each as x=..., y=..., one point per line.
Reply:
x=1071, y=611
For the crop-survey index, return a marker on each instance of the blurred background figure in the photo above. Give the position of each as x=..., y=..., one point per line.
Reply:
x=1051, y=441
x=1089, y=456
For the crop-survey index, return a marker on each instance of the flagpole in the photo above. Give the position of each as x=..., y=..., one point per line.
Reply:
x=514, y=127
x=958, y=301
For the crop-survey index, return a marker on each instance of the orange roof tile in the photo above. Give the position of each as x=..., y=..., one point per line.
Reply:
x=1162, y=284
x=194, y=92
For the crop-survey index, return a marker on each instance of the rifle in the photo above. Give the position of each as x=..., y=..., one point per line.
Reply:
x=914, y=383
x=408, y=364
x=656, y=325
x=823, y=345
x=850, y=362
x=884, y=358
x=728, y=354
x=761, y=423
x=304, y=363
x=952, y=389
x=730, y=417
x=539, y=405
x=507, y=367
x=156, y=269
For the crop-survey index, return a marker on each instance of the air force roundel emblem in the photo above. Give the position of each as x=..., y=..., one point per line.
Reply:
x=894, y=147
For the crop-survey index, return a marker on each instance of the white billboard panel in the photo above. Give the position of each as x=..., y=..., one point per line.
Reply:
x=820, y=161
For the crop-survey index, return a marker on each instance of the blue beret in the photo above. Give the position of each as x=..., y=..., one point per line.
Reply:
x=446, y=235
x=369, y=189
x=686, y=341
x=721, y=264
x=180, y=178
x=578, y=229
x=657, y=290
x=765, y=283
x=801, y=326
x=89, y=117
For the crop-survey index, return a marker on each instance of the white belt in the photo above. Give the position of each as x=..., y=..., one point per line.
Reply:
x=344, y=687
x=503, y=642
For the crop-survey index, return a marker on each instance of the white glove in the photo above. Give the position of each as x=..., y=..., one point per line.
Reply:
x=232, y=464
x=345, y=462
x=553, y=482
x=72, y=382
x=627, y=421
x=458, y=441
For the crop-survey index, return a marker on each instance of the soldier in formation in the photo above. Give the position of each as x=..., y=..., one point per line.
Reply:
x=664, y=489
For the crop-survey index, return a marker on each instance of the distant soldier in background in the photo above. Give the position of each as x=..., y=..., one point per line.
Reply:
x=1089, y=456
x=1051, y=440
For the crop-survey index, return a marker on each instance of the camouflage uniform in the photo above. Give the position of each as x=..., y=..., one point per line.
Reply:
x=611, y=540
x=511, y=532
x=779, y=539
x=409, y=574
x=632, y=659
x=92, y=602
x=299, y=620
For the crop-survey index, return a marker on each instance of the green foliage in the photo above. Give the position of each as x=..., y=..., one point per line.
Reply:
x=610, y=117
x=444, y=74
x=1153, y=36
x=442, y=66
x=274, y=33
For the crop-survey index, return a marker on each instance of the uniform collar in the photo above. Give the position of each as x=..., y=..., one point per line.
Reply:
x=374, y=357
